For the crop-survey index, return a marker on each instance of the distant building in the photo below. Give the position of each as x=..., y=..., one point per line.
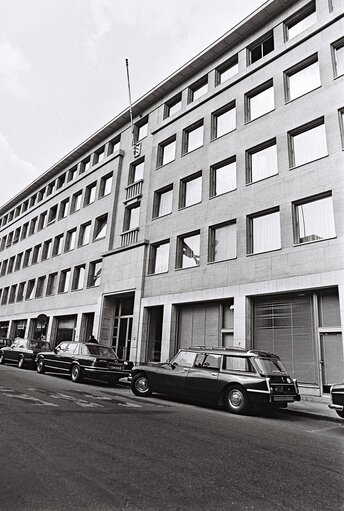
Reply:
x=225, y=228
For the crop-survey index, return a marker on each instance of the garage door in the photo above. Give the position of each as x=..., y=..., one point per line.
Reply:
x=199, y=325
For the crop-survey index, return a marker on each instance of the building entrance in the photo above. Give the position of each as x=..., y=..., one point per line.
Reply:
x=117, y=323
x=331, y=358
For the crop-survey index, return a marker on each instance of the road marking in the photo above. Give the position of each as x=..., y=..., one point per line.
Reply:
x=129, y=405
x=78, y=402
x=32, y=400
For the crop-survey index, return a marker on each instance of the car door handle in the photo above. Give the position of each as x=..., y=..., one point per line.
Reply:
x=214, y=374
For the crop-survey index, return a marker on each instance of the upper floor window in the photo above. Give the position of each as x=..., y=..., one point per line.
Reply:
x=163, y=202
x=224, y=120
x=60, y=181
x=307, y=143
x=52, y=214
x=94, y=274
x=63, y=212
x=260, y=101
x=302, y=78
x=16, y=235
x=25, y=206
x=76, y=202
x=70, y=240
x=30, y=289
x=166, y=151
x=24, y=231
x=99, y=155
x=105, y=185
x=78, y=277
x=50, y=188
x=42, y=220
x=19, y=261
x=262, y=161
x=11, y=264
x=20, y=294
x=188, y=250
x=226, y=70
x=57, y=247
x=136, y=171
x=36, y=253
x=84, y=234
x=12, y=293
x=41, y=194
x=64, y=281
x=159, y=255
x=198, y=89
x=114, y=145
x=338, y=57
x=72, y=173
x=300, y=21
x=173, y=106
x=40, y=287
x=100, y=227
x=33, y=226
x=141, y=129
x=264, y=232
x=261, y=48
x=193, y=137
x=47, y=248
x=223, y=177
x=222, y=242
x=27, y=257
x=31, y=204
x=85, y=165
x=90, y=193
x=190, y=190
x=52, y=284
x=131, y=217
x=313, y=219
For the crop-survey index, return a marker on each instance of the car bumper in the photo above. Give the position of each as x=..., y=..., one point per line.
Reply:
x=102, y=372
x=338, y=408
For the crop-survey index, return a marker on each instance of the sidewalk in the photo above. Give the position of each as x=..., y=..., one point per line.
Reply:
x=311, y=407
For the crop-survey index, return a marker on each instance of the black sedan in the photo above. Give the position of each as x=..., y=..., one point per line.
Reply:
x=235, y=378
x=84, y=360
x=337, y=399
x=23, y=352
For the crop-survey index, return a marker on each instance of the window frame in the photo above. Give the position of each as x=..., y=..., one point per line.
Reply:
x=298, y=131
x=100, y=221
x=161, y=151
x=253, y=93
x=152, y=257
x=177, y=99
x=337, y=45
x=248, y=158
x=212, y=239
x=183, y=189
x=91, y=273
x=226, y=66
x=104, y=180
x=214, y=120
x=297, y=17
x=250, y=231
x=179, y=250
x=197, y=86
x=212, y=181
x=157, y=201
x=186, y=134
x=297, y=68
x=260, y=43
x=296, y=221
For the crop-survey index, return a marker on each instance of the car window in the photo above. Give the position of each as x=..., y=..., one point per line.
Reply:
x=232, y=363
x=184, y=358
x=62, y=347
x=72, y=348
x=14, y=344
x=208, y=361
x=102, y=351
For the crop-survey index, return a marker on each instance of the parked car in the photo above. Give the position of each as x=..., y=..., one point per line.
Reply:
x=5, y=342
x=235, y=378
x=84, y=360
x=23, y=352
x=337, y=399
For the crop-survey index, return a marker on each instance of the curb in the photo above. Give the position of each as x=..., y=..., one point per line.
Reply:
x=313, y=415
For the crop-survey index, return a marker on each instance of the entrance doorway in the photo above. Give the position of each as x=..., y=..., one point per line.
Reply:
x=86, y=329
x=155, y=320
x=117, y=323
x=331, y=346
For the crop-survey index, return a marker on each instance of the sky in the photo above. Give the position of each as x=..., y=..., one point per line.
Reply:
x=62, y=68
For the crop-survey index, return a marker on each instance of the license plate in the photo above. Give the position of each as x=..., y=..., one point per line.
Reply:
x=283, y=398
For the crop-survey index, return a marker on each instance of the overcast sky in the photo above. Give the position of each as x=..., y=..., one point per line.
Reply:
x=62, y=68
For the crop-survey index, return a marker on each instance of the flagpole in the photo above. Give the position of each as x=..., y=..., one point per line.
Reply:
x=130, y=106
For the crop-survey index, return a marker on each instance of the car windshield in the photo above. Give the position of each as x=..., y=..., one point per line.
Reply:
x=100, y=351
x=270, y=366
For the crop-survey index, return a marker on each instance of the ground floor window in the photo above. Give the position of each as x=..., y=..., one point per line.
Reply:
x=65, y=328
x=19, y=328
x=4, y=328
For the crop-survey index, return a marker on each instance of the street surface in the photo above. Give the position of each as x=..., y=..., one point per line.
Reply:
x=92, y=447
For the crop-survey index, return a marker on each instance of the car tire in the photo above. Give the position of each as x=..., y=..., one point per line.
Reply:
x=236, y=400
x=2, y=358
x=75, y=373
x=140, y=385
x=40, y=366
x=21, y=362
x=340, y=413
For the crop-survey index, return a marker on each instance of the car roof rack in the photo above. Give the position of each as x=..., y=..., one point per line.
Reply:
x=211, y=348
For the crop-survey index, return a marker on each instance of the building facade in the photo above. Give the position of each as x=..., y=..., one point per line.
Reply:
x=224, y=228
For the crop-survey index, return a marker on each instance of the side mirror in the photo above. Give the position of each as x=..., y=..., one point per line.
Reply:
x=56, y=350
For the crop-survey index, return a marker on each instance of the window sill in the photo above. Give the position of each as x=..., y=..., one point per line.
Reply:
x=308, y=162
x=248, y=121
x=189, y=206
x=300, y=244
x=288, y=101
x=262, y=179
x=157, y=273
x=192, y=150
x=187, y=268
x=223, y=135
x=223, y=260
x=223, y=193
x=162, y=216
x=164, y=164
x=264, y=252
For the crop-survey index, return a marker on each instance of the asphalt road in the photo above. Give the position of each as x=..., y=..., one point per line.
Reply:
x=92, y=447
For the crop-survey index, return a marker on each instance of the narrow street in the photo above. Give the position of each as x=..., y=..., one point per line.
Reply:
x=89, y=446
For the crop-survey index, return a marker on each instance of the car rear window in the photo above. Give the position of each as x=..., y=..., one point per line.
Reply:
x=99, y=351
x=270, y=366
x=233, y=363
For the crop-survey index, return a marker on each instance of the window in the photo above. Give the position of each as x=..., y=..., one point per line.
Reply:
x=47, y=247
x=4, y=295
x=16, y=235
x=190, y=190
x=20, y=294
x=173, y=106
x=85, y=165
x=42, y=220
x=52, y=284
x=307, y=143
x=60, y=181
x=72, y=173
x=233, y=363
x=302, y=78
x=261, y=48
x=159, y=255
x=19, y=261
x=163, y=202
x=25, y=206
x=9, y=239
x=193, y=137
x=57, y=248
x=166, y=151
x=105, y=185
x=188, y=250
x=341, y=124
x=141, y=130
x=3, y=242
x=114, y=145
x=64, y=281
x=198, y=89
x=259, y=101
x=131, y=218
x=100, y=227
x=99, y=155
x=136, y=172
x=224, y=120
x=36, y=253
x=261, y=161
x=76, y=202
x=4, y=267
x=226, y=70
x=52, y=214
x=70, y=240
x=313, y=219
x=300, y=21
x=24, y=230
x=40, y=287
x=33, y=225
x=27, y=256
x=338, y=57
x=10, y=264
x=50, y=188
x=63, y=212
x=30, y=289
x=264, y=232
x=222, y=242
x=223, y=177
x=90, y=194
x=94, y=274
x=31, y=204
x=84, y=234
x=78, y=277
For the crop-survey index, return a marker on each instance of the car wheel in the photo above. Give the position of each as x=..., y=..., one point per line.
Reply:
x=140, y=386
x=236, y=400
x=40, y=366
x=21, y=362
x=2, y=358
x=75, y=373
x=340, y=413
